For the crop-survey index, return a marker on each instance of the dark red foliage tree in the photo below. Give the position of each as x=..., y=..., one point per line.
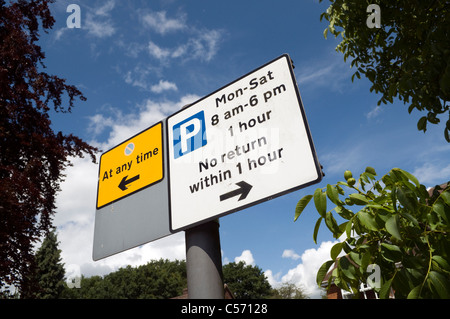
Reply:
x=32, y=155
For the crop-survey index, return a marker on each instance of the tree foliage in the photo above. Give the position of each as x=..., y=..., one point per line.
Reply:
x=398, y=225
x=158, y=279
x=49, y=276
x=32, y=155
x=407, y=58
x=246, y=281
x=289, y=291
x=165, y=279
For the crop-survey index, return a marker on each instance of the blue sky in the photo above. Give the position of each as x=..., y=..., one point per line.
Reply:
x=138, y=62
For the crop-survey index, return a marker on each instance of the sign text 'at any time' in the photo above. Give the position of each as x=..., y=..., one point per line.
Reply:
x=131, y=166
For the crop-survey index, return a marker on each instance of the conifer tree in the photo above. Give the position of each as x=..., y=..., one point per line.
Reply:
x=50, y=271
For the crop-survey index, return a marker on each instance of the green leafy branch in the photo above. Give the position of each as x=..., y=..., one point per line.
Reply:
x=393, y=222
x=407, y=58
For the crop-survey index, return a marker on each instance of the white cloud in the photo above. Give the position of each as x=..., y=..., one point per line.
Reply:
x=129, y=79
x=122, y=126
x=105, y=9
x=158, y=52
x=132, y=49
x=179, y=51
x=328, y=73
x=304, y=274
x=315, y=74
x=351, y=157
x=274, y=280
x=431, y=174
x=97, y=28
x=139, y=76
x=98, y=123
x=203, y=45
x=98, y=21
x=163, y=86
x=60, y=32
x=376, y=111
x=161, y=24
x=246, y=257
x=289, y=253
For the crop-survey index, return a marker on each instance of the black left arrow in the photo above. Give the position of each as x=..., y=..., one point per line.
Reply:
x=124, y=182
x=243, y=190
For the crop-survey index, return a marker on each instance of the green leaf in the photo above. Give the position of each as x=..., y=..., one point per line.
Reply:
x=442, y=262
x=394, y=198
x=446, y=196
x=323, y=270
x=358, y=199
x=414, y=293
x=332, y=225
x=422, y=124
x=347, y=268
x=371, y=170
x=357, y=75
x=410, y=218
x=356, y=257
x=440, y=209
x=333, y=195
x=367, y=220
x=320, y=200
x=391, y=252
x=380, y=207
x=386, y=289
x=393, y=228
x=348, y=229
x=340, y=190
x=407, y=198
x=302, y=203
x=410, y=176
x=440, y=284
x=365, y=260
x=342, y=227
x=316, y=229
x=344, y=212
x=336, y=250
x=433, y=220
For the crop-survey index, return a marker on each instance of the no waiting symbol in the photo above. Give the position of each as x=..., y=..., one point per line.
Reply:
x=129, y=149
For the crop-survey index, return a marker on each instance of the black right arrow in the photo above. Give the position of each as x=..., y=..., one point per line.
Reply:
x=124, y=182
x=243, y=190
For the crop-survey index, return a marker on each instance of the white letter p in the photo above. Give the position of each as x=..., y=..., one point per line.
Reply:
x=185, y=134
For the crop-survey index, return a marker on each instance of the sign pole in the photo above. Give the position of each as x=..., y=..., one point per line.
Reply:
x=204, y=262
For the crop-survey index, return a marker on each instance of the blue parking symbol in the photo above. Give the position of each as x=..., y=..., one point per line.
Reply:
x=189, y=135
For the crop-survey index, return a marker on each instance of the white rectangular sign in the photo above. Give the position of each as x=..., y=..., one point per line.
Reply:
x=245, y=143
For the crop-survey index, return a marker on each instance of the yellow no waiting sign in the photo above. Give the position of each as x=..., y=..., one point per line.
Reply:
x=131, y=166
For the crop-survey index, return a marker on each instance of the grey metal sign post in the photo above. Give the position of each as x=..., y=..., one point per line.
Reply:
x=204, y=262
